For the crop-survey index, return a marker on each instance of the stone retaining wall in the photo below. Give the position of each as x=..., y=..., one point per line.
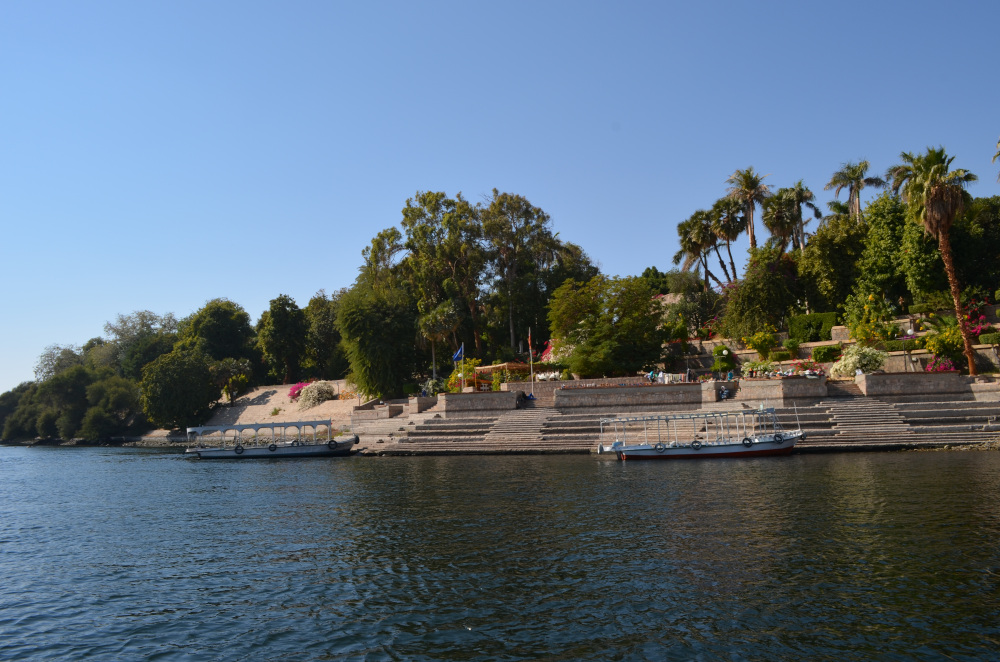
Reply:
x=913, y=383
x=677, y=396
x=778, y=391
x=474, y=404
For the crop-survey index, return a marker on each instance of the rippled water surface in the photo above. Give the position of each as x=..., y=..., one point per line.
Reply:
x=122, y=554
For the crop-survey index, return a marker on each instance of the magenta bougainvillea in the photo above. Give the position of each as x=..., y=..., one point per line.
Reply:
x=295, y=391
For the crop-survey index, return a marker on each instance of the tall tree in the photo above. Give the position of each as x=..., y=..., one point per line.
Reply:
x=519, y=241
x=696, y=241
x=997, y=156
x=378, y=328
x=325, y=357
x=801, y=196
x=778, y=214
x=281, y=334
x=852, y=177
x=221, y=328
x=749, y=188
x=934, y=196
x=728, y=224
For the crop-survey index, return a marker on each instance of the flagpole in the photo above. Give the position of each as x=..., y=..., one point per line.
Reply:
x=531, y=363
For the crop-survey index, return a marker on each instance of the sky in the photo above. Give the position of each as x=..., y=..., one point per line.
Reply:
x=157, y=155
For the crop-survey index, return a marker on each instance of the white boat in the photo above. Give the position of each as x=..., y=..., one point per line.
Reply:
x=211, y=442
x=740, y=433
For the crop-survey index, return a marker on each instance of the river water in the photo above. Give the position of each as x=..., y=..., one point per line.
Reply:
x=137, y=554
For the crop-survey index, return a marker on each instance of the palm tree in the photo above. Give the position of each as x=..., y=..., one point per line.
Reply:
x=934, y=196
x=728, y=224
x=749, y=188
x=852, y=177
x=778, y=214
x=696, y=240
x=997, y=156
x=801, y=196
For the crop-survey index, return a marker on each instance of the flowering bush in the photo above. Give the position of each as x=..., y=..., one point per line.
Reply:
x=859, y=357
x=296, y=391
x=873, y=322
x=762, y=342
x=974, y=317
x=316, y=393
x=940, y=364
x=454, y=384
x=803, y=365
x=945, y=339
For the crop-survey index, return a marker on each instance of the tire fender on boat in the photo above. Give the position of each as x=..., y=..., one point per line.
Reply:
x=778, y=438
x=332, y=444
x=659, y=447
x=272, y=448
x=748, y=442
x=696, y=445
x=238, y=449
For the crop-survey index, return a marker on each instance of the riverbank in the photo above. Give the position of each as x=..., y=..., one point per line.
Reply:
x=873, y=413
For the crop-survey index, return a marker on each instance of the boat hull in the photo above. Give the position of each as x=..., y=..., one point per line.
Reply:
x=760, y=447
x=273, y=451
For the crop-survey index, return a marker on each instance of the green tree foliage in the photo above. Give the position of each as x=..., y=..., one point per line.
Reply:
x=380, y=261
x=145, y=348
x=768, y=293
x=436, y=325
x=232, y=376
x=126, y=330
x=612, y=325
x=748, y=187
x=18, y=413
x=852, y=176
x=325, y=357
x=519, y=245
x=177, y=389
x=66, y=393
x=221, y=329
x=697, y=241
x=281, y=336
x=378, y=329
x=55, y=359
x=975, y=238
x=114, y=409
x=829, y=267
x=881, y=269
x=934, y=197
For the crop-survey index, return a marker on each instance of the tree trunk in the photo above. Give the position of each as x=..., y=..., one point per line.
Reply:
x=434, y=363
x=731, y=263
x=748, y=212
x=722, y=264
x=944, y=246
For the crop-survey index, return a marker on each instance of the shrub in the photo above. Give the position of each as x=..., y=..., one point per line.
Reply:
x=940, y=364
x=723, y=362
x=792, y=345
x=907, y=345
x=812, y=328
x=757, y=366
x=920, y=309
x=296, y=391
x=781, y=355
x=946, y=338
x=826, y=353
x=316, y=393
x=762, y=342
x=859, y=357
x=989, y=339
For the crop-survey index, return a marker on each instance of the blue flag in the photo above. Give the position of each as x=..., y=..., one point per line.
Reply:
x=458, y=354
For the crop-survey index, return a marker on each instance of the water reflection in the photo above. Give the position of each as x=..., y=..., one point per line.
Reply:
x=116, y=554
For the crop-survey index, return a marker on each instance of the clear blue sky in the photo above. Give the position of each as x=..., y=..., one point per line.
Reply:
x=156, y=155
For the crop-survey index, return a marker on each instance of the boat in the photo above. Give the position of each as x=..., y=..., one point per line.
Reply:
x=210, y=442
x=740, y=433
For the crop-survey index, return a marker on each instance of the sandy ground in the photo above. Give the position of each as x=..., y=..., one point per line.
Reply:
x=260, y=405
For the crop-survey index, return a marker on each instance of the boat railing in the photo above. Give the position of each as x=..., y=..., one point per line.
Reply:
x=683, y=429
x=263, y=434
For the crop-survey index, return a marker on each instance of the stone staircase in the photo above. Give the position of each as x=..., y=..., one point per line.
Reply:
x=846, y=420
